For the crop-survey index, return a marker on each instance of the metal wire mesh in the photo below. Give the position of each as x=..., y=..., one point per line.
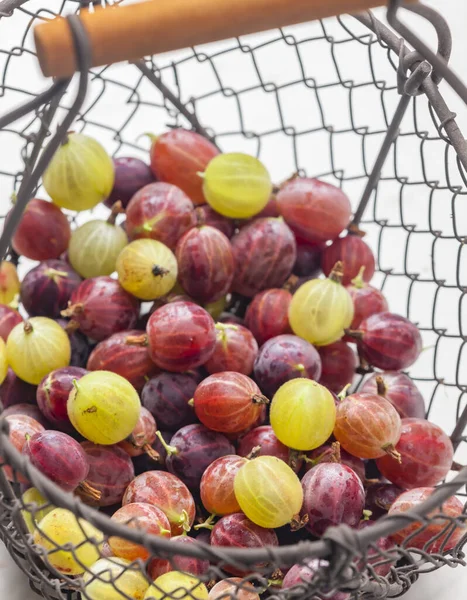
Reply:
x=316, y=99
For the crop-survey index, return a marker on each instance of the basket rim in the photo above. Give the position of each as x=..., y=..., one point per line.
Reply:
x=287, y=554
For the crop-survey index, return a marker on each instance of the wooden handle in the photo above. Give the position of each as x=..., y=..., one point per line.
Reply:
x=136, y=30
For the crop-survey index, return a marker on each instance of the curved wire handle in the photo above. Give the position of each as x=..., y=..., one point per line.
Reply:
x=438, y=61
x=32, y=177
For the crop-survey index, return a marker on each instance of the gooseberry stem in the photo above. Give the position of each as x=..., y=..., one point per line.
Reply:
x=333, y=453
x=137, y=340
x=259, y=399
x=337, y=272
x=184, y=521
x=73, y=310
x=169, y=449
x=208, y=524
x=391, y=451
x=191, y=402
x=152, y=136
x=355, y=333
x=381, y=387
x=253, y=453
x=367, y=514
x=54, y=273
x=343, y=393
x=71, y=326
x=27, y=327
x=291, y=283
x=358, y=281
x=153, y=454
x=116, y=209
x=298, y=522
x=224, y=326
x=300, y=367
x=89, y=491
x=294, y=457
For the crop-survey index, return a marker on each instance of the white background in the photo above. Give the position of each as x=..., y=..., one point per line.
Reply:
x=261, y=114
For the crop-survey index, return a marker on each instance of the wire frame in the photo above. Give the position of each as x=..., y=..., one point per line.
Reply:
x=317, y=99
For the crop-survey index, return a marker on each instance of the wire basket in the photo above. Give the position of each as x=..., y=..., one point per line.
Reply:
x=345, y=100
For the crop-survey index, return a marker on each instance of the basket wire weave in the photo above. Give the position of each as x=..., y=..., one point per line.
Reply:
x=295, y=119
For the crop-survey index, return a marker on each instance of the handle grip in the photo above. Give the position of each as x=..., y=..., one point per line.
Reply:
x=136, y=30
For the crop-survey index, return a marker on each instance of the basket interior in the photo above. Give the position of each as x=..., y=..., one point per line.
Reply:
x=315, y=99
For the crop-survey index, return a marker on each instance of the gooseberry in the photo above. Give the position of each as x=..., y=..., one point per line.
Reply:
x=283, y=358
x=14, y=391
x=181, y=336
x=267, y=315
x=205, y=215
x=46, y=218
x=321, y=309
x=264, y=253
x=110, y=473
x=317, y=211
x=399, y=390
x=125, y=354
x=233, y=587
x=178, y=156
x=217, y=485
x=46, y=289
x=9, y=282
x=178, y=562
x=388, y=341
x=435, y=534
x=142, y=437
x=380, y=497
x=177, y=585
x=228, y=402
x=333, y=453
x=95, y=246
x=102, y=307
x=80, y=346
x=160, y=211
x=268, y=492
x=167, y=396
x=308, y=261
x=69, y=544
x=205, y=263
x=53, y=392
x=236, y=350
x=192, y=449
x=338, y=365
x=103, y=407
x=426, y=455
x=138, y=515
x=131, y=174
x=147, y=269
x=302, y=414
x=36, y=347
x=61, y=459
x=80, y=174
x=114, y=579
x=237, y=531
x=368, y=426
x=367, y=301
x=9, y=317
x=354, y=254
x=263, y=440
x=167, y=492
x=332, y=494
x=236, y=185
